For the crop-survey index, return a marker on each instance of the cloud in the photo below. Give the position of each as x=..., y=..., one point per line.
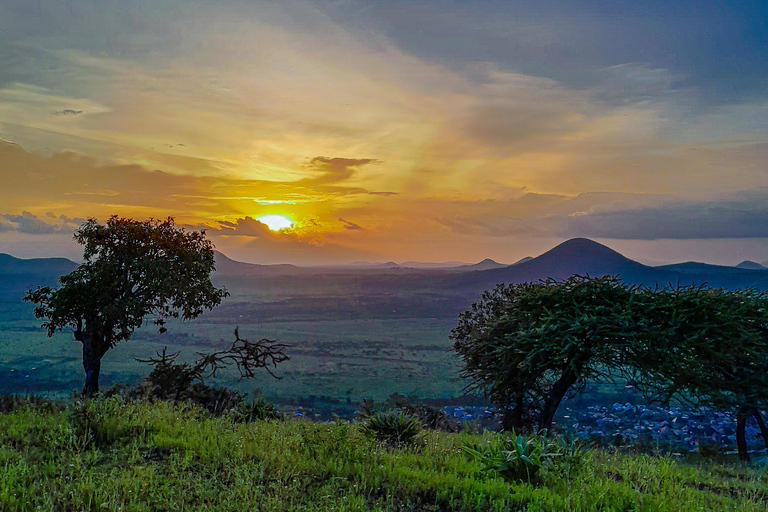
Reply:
x=745, y=216
x=66, y=112
x=349, y=225
x=247, y=226
x=32, y=225
x=77, y=184
x=334, y=170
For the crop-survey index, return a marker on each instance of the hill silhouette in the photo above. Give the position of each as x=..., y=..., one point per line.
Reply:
x=226, y=266
x=19, y=275
x=694, y=267
x=587, y=257
x=486, y=264
x=10, y=265
x=751, y=265
x=408, y=291
x=576, y=256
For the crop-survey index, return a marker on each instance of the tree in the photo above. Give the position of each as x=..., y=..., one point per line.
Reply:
x=525, y=346
x=704, y=346
x=133, y=271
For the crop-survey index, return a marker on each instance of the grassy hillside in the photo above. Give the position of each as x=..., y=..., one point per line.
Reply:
x=113, y=455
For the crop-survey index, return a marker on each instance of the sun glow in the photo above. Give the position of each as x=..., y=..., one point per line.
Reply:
x=276, y=222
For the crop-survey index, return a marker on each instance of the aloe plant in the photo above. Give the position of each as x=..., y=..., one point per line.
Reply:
x=515, y=457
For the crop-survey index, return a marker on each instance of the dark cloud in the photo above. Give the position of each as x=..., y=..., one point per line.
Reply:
x=247, y=226
x=66, y=112
x=335, y=170
x=717, y=45
x=349, y=225
x=723, y=219
x=616, y=216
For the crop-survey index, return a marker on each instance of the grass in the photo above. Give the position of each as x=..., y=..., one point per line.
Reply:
x=114, y=455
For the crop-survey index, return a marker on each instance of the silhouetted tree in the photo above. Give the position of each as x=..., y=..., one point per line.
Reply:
x=133, y=271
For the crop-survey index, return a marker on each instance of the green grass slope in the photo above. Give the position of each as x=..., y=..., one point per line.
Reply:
x=113, y=455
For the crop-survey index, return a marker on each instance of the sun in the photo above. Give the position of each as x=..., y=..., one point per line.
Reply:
x=276, y=222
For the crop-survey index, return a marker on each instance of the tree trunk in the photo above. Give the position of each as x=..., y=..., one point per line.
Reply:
x=741, y=437
x=556, y=394
x=92, y=366
x=513, y=418
x=761, y=424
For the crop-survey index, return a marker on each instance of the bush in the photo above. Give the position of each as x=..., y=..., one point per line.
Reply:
x=394, y=429
x=431, y=418
x=258, y=409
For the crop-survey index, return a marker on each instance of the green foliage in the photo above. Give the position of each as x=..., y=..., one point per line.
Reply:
x=9, y=403
x=165, y=456
x=703, y=345
x=133, y=271
x=255, y=410
x=393, y=428
x=515, y=457
x=525, y=346
x=430, y=417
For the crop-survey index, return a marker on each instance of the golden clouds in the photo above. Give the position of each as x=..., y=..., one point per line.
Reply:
x=220, y=114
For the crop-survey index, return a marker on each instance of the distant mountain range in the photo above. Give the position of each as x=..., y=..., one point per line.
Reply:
x=577, y=256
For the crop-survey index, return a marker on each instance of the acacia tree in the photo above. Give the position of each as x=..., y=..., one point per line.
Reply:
x=704, y=346
x=525, y=346
x=133, y=271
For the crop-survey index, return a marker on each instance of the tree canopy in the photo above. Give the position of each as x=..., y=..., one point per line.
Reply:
x=133, y=271
x=525, y=346
x=705, y=346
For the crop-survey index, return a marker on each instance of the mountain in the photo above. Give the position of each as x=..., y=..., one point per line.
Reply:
x=19, y=275
x=10, y=265
x=751, y=265
x=486, y=264
x=432, y=264
x=586, y=257
x=580, y=256
x=228, y=267
x=694, y=267
x=364, y=265
x=523, y=260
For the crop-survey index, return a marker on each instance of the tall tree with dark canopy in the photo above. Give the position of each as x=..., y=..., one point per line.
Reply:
x=705, y=346
x=133, y=271
x=526, y=346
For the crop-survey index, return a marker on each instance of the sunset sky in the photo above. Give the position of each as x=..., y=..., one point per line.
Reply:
x=390, y=130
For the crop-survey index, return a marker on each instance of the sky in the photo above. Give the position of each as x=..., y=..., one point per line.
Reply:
x=418, y=130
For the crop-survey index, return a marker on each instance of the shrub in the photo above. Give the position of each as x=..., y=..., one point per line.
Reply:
x=431, y=418
x=258, y=409
x=395, y=429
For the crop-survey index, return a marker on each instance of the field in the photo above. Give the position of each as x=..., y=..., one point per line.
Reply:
x=352, y=335
x=112, y=455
